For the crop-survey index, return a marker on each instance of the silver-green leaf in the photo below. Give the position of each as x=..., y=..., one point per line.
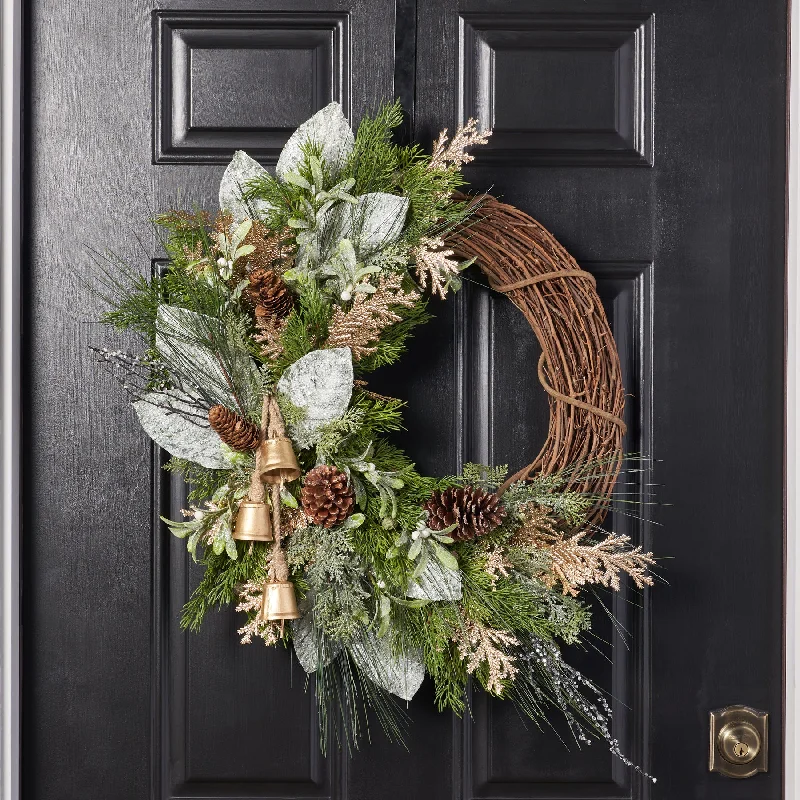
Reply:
x=174, y=421
x=309, y=648
x=237, y=175
x=436, y=583
x=373, y=222
x=183, y=338
x=320, y=383
x=328, y=130
x=400, y=675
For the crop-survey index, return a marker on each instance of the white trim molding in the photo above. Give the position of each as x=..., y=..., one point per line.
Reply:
x=10, y=331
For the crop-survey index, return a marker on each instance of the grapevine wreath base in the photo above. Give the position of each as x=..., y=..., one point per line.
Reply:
x=255, y=346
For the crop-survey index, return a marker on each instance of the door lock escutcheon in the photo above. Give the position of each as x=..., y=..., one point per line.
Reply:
x=738, y=747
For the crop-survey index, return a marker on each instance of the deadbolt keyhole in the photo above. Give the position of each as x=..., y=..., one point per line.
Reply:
x=740, y=749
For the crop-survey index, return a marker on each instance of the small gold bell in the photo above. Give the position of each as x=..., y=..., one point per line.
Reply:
x=279, y=602
x=278, y=461
x=253, y=522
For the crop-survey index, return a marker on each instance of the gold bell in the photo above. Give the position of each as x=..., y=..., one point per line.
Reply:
x=252, y=522
x=279, y=602
x=278, y=461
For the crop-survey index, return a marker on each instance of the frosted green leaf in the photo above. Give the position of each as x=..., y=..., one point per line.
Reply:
x=422, y=563
x=436, y=583
x=174, y=421
x=237, y=175
x=385, y=615
x=401, y=675
x=287, y=498
x=297, y=180
x=238, y=236
x=330, y=131
x=353, y=521
x=306, y=646
x=415, y=549
x=373, y=222
x=316, y=172
x=321, y=384
x=191, y=545
x=447, y=559
x=244, y=250
x=183, y=340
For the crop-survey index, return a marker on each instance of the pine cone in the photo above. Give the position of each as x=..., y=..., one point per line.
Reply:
x=237, y=432
x=269, y=295
x=476, y=511
x=327, y=496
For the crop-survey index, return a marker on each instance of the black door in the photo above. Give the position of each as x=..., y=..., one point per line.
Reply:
x=649, y=136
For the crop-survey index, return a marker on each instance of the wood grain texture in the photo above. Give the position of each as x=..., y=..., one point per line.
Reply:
x=87, y=526
x=689, y=257
x=233, y=721
x=709, y=216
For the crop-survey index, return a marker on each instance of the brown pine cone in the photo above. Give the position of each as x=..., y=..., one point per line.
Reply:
x=476, y=511
x=268, y=293
x=327, y=496
x=236, y=431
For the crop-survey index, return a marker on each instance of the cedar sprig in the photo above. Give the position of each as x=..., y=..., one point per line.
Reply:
x=452, y=155
x=434, y=266
x=484, y=650
x=250, y=597
x=577, y=561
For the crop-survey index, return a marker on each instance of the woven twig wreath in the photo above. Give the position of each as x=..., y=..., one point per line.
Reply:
x=313, y=277
x=579, y=366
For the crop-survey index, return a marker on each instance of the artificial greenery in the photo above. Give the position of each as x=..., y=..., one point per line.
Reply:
x=354, y=232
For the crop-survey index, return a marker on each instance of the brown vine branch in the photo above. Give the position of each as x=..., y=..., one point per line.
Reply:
x=579, y=367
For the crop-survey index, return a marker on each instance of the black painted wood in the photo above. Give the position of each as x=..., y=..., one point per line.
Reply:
x=708, y=216
x=649, y=137
x=217, y=75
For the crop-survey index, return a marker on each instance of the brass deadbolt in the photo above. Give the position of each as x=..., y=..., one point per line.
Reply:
x=738, y=741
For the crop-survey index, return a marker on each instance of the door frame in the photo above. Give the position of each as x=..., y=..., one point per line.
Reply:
x=11, y=209
x=11, y=422
x=792, y=472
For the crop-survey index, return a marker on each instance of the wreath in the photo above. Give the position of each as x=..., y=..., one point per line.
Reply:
x=257, y=339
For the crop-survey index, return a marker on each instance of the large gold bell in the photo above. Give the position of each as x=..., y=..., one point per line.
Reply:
x=253, y=522
x=278, y=461
x=279, y=602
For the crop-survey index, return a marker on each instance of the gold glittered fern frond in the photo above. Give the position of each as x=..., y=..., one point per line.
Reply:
x=536, y=522
x=577, y=562
x=434, y=265
x=269, y=335
x=359, y=328
x=453, y=154
x=497, y=565
x=478, y=644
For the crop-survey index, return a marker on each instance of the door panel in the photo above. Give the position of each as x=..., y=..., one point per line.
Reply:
x=240, y=721
x=649, y=137
x=504, y=420
x=226, y=80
